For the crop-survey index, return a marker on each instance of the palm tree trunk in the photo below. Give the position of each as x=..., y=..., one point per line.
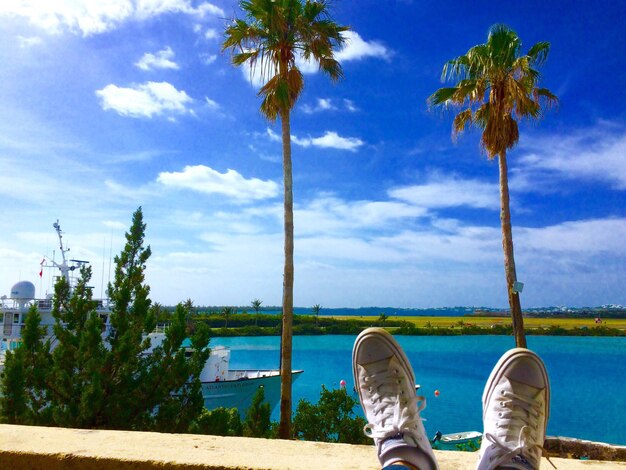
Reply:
x=284, y=427
x=509, y=258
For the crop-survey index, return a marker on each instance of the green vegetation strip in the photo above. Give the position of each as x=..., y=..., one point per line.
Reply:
x=529, y=323
x=269, y=325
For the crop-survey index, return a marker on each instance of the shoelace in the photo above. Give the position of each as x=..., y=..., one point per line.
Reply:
x=394, y=410
x=522, y=413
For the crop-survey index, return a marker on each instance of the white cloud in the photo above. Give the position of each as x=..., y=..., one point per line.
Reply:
x=329, y=214
x=160, y=60
x=596, y=154
x=356, y=48
x=29, y=41
x=273, y=136
x=329, y=140
x=273, y=158
x=326, y=104
x=208, y=59
x=149, y=8
x=114, y=225
x=232, y=184
x=589, y=237
x=254, y=75
x=129, y=193
x=350, y=106
x=211, y=33
x=145, y=100
x=445, y=192
x=97, y=16
x=323, y=104
x=211, y=104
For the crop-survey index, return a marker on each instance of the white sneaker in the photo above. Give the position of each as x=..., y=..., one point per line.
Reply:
x=516, y=406
x=386, y=385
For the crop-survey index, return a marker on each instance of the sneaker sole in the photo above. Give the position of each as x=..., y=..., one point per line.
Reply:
x=390, y=341
x=501, y=366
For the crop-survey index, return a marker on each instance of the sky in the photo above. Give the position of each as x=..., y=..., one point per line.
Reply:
x=108, y=106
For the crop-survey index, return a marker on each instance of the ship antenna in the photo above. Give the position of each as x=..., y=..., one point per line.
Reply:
x=63, y=267
x=104, y=247
x=110, y=255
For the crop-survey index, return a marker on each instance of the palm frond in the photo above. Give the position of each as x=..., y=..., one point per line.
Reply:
x=240, y=34
x=504, y=45
x=545, y=96
x=466, y=90
x=482, y=115
x=478, y=61
x=538, y=54
x=273, y=32
x=498, y=85
x=295, y=84
x=331, y=67
x=441, y=97
x=241, y=58
x=461, y=120
x=455, y=68
x=270, y=106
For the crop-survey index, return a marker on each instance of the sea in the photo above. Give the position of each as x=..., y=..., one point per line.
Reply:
x=587, y=377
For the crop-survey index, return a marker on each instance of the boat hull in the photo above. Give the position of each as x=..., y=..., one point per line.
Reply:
x=238, y=393
x=467, y=441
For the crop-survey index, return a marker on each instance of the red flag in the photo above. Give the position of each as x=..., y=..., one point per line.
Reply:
x=41, y=273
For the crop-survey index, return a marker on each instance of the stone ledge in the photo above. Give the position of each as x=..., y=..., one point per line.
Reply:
x=569, y=447
x=41, y=448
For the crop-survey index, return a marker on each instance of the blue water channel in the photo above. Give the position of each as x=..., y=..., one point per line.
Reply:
x=587, y=375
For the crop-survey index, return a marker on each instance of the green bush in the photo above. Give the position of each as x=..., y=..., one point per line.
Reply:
x=332, y=419
x=218, y=422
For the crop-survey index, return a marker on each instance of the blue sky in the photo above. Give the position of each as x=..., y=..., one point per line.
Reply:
x=107, y=106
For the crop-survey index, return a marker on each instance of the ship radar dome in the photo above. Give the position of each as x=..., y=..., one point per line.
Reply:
x=23, y=290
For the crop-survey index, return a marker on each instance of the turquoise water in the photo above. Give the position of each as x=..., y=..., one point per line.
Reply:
x=587, y=376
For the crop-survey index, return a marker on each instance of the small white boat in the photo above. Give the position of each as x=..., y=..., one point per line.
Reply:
x=221, y=386
x=468, y=440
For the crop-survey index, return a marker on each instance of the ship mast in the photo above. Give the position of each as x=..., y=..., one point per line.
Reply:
x=63, y=267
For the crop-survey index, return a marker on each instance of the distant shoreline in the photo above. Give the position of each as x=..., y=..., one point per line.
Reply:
x=608, y=311
x=269, y=325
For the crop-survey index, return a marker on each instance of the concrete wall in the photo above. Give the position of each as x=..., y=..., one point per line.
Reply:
x=40, y=448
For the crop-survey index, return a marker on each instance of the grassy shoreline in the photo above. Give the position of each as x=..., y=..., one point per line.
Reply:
x=269, y=325
x=487, y=321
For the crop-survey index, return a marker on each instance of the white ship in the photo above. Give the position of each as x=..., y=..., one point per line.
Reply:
x=221, y=386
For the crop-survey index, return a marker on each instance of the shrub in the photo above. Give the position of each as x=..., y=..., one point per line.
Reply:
x=332, y=419
x=218, y=422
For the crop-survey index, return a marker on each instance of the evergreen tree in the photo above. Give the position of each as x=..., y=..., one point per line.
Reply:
x=257, y=422
x=114, y=379
x=23, y=400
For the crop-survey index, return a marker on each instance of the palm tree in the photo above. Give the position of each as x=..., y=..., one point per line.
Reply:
x=270, y=39
x=316, y=311
x=226, y=313
x=256, y=305
x=497, y=86
x=191, y=311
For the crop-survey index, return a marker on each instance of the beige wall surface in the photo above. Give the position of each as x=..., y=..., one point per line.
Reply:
x=40, y=448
